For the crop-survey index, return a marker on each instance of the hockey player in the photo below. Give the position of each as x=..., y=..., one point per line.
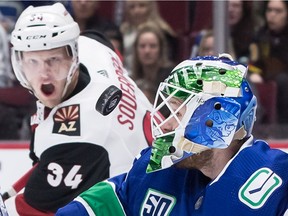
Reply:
x=84, y=131
x=204, y=160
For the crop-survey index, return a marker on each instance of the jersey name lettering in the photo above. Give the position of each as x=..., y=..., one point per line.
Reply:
x=128, y=103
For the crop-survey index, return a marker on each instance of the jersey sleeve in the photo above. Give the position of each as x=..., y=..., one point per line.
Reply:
x=100, y=199
x=74, y=208
x=65, y=171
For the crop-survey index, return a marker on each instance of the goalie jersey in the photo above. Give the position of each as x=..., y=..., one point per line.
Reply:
x=254, y=182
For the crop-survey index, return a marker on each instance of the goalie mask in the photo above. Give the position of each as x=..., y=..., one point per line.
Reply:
x=45, y=28
x=205, y=103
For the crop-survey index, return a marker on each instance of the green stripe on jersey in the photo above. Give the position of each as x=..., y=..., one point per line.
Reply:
x=102, y=200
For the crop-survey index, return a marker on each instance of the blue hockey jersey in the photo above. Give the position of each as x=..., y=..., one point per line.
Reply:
x=254, y=182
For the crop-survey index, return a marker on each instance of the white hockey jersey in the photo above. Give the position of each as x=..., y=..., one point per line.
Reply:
x=77, y=145
x=124, y=126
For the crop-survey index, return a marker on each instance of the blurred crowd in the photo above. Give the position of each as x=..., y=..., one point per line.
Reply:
x=151, y=37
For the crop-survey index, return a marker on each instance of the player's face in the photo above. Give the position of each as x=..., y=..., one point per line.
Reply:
x=47, y=71
x=172, y=122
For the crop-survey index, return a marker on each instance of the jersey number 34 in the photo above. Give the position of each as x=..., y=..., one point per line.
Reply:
x=72, y=179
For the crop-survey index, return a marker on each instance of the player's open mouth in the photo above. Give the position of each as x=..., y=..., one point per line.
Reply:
x=47, y=89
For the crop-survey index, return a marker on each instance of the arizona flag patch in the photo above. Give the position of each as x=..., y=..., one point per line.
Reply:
x=67, y=121
x=258, y=188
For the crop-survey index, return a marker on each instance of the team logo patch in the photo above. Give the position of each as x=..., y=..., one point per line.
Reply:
x=67, y=121
x=157, y=204
x=258, y=188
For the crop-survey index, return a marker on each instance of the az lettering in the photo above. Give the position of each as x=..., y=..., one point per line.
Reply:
x=70, y=127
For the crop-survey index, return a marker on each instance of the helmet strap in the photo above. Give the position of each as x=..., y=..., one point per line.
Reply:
x=188, y=146
x=70, y=77
x=240, y=134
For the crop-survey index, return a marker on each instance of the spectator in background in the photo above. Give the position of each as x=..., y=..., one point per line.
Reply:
x=6, y=76
x=27, y=3
x=14, y=110
x=10, y=11
x=206, y=46
x=243, y=22
x=136, y=13
x=85, y=13
x=9, y=121
x=150, y=63
x=242, y=25
x=270, y=52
